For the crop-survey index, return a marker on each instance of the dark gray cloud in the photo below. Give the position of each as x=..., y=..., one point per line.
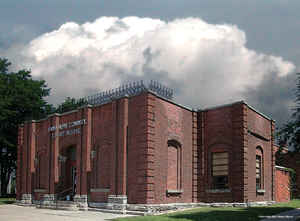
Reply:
x=274, y=97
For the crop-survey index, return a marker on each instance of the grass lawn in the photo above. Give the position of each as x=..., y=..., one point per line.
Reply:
x=220, y=214
x=7, y=200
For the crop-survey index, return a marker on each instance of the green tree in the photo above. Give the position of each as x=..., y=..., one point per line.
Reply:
x=289, y=134
x=21, y=98
x=70, y=104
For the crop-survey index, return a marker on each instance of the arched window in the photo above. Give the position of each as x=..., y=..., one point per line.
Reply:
x=174, y=166
x=220, y=170
x=259, y=168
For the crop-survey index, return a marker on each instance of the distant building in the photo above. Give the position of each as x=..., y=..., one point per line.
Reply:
x=135, y=148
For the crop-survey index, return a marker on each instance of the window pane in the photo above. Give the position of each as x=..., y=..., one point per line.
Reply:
x=258, y=171
x=220, y=182
x=220, y=173
x=220, y=170
x=220, y=155
x=220, y=161
x=223, y=167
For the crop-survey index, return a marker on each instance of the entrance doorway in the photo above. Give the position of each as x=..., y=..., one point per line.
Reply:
x=71, y=173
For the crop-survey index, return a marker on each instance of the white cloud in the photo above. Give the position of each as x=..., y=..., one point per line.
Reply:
x=208, y=64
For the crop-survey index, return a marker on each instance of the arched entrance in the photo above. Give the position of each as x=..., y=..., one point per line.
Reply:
x=71, y=171
x=67, y=187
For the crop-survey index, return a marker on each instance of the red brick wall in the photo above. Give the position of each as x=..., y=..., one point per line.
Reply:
x=26, y=156
x=102, y=140
x=108, y=135
x=171, y=122
x=227, y=129
x=172, y=174
x=139, y=155
x=39, y=154
x=221, y=130
x=292, y=160
x=43, y=153
x=129, y=138
x=282, y=185
x=259, y=135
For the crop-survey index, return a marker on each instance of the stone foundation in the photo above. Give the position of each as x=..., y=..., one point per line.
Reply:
x=150, y=209
x=81, y=201
x=117, y=202
x=26, y=199
x=48, y=201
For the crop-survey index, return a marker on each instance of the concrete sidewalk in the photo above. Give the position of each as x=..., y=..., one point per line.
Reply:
x=290, y=215
x=21, y=213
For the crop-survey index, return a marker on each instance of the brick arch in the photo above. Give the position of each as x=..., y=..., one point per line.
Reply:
x=174, y=142
x=259, y=149
x=175, y=139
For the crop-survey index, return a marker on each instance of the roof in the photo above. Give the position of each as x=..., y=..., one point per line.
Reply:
x=238, y=102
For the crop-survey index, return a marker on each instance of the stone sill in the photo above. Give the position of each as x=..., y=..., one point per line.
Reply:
x=100, y=190
x=261, y=191
x=174, y=191
x=40, y=191
x=218, y=191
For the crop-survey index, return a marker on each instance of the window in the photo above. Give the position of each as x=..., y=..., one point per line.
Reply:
x=259, y=165
x=174, y=166
x=258, y=172
x=220, y=170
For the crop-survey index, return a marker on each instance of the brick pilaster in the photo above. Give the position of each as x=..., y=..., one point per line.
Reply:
x=122, y=146
x=238, y=161
x=31, y=155
x=85, y=149
x=201, y=154
x=245, y=153
x=88, y=137
x=114, y=151
x=273, y=160
x=150, y=148
x=20, y=147
x=195, y=157
x=54, y=150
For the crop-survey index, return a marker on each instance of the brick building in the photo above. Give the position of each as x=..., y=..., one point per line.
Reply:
x=136, y=147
